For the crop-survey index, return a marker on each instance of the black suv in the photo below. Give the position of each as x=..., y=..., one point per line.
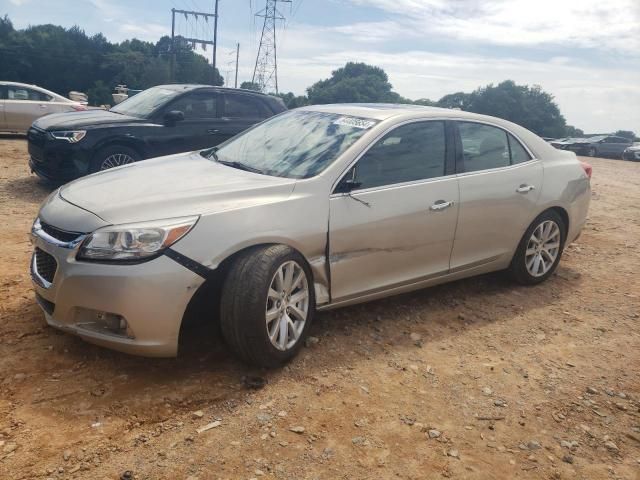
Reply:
x=159, y=121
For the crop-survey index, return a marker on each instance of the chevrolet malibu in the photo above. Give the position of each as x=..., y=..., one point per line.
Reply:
x=313, y=209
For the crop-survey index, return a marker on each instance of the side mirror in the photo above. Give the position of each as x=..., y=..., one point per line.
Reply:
x=347, y=185
x=173, y=117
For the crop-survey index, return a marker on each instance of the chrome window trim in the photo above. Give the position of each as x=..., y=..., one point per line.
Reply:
x=373, y=142
x=396, y=185
x=497, y=169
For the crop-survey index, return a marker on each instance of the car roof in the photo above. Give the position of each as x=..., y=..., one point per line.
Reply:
x=197, y=86
x=384, y=111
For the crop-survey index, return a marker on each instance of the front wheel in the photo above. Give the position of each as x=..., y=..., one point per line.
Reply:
x=267, y=305
x=111, y=157
x=540, y=249
x=592, y=152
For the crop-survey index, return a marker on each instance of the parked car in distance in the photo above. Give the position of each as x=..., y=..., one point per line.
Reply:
x=317, y=208
x=632, y=153
x=600, y=146
x=21, y=104
x=158, y=121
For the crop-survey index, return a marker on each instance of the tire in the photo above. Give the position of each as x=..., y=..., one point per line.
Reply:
x=246, y=300
x=115, y=156
x=522, y=269
x=592, y=152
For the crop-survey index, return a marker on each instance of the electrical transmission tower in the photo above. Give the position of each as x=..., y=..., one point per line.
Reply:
x=265, y=73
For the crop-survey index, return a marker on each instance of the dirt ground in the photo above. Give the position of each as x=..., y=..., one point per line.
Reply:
x=479, y=379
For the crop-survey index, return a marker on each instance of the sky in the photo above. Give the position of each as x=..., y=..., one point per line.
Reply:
x=584, y=52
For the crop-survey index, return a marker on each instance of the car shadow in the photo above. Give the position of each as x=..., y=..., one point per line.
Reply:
x=13, y=136
x=206, y=373
x=28, y=189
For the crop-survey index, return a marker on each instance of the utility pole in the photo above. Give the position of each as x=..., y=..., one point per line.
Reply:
x=215, y=42
x=172, y=67
x=202, y=41
x=237, y=58
x=265, y=73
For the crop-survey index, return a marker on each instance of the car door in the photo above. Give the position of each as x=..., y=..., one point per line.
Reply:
x=619, y=145
x=23, y=106
x=200, y=128
x=500, y=183
x=397, y=223
x=3, y=96
x=241, y=111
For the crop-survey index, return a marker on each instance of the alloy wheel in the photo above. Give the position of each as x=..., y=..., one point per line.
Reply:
x=543, y=248
x=116, y=160
x=287, y=305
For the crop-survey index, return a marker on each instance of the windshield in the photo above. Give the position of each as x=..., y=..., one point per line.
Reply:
x=297, y=144
x=146, y=102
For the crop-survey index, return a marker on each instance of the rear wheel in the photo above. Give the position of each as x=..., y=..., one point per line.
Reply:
x=540, y=249
x=113, y=156
x=592, y=152
x=267, y=305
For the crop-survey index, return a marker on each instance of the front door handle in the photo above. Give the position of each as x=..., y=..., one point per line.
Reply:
x=440, y=205
x=43, y=106
x=525, y=188
x=213, y=131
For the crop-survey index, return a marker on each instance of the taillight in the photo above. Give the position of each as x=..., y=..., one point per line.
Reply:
x=79, y=108
x=588, y=169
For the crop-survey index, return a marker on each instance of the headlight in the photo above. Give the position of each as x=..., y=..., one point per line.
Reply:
x=71, y=136
x=134, y=241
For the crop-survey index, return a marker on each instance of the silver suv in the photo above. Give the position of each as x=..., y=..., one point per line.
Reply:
x=313, y=209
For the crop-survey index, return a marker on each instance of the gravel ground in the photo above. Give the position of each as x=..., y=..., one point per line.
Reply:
x=478, y=379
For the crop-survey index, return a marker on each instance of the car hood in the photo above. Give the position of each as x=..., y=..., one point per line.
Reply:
x=84, y=119
x=174, y=186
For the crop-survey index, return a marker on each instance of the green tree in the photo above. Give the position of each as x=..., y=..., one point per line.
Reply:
x=355, y=82
x=293, y=101
x=250, y=86
x=67, y=59
x=457, y=100
x=528, y=106
x=572, y=131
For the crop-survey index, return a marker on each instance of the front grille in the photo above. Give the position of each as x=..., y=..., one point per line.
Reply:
x=58, y=234
x=45, y=265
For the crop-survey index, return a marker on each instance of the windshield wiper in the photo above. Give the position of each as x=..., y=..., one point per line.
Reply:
x=240, y=166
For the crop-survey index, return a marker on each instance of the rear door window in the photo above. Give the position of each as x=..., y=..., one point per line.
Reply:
x=21, y=93
x=238, y=106
x=197, y=105
x=484, y=147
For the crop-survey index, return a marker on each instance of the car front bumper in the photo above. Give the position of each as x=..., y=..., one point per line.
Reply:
x=56, y=161
x=633, y=155
x=84, y=298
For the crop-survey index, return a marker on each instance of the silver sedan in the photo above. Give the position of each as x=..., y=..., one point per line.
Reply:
x=21, y=104
x=316, y=208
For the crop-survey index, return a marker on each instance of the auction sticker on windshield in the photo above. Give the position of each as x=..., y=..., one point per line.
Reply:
x=355, y=122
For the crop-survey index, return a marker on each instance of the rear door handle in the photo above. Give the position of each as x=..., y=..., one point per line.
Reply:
x=440, y=205
x=43, y=106
x=213, y=131
x=525, y=188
